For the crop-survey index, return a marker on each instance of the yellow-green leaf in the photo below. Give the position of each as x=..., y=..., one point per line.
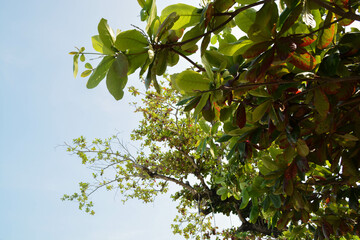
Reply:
x=321, y=102
x=189, y=81
x=260, y=110
x=302, y=148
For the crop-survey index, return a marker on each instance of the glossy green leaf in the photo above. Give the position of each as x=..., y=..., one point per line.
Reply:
x=235, y=48
x=260, y=110
x=106, y=34
x=136, y=61
x=203, y=100
x=245, y=197
x=131, y=40
x=99, y=46
x=245, y=19
x=100, y=72
x=116, y=78
x=188, y=15
x=191, y=81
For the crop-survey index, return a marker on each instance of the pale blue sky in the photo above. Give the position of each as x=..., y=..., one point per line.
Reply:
x=42, y=105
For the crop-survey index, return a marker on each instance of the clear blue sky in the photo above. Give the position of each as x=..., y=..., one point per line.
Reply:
x=42, y=105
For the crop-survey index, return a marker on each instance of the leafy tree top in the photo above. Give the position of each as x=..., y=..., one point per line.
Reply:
x=268, y=124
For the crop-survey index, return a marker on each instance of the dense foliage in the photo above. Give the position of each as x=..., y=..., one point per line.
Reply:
x=266, y=127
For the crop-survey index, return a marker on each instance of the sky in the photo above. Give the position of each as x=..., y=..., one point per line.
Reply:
x=42, y=106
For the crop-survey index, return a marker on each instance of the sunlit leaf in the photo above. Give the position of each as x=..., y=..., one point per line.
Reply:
x=100, y=72
x=188, y=15
x=190, y=81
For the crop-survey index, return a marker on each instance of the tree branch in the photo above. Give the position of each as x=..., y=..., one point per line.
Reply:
x=188, y=59
x=337, y=10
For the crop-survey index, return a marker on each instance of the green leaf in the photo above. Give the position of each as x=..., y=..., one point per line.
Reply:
x=203, y=100
x=321, y=102
x=260, y=110
x=99, y=46
x=188, y=15
x=224, y=138
x=276, y=200
x=192, y=33
x=100, y=72
x=245, y=19
x=88, y=66
x=204, y=126
x=132, y=40
x=86, y=73
x=291, y=19
x=189, y=81
x=136, y=61
x=265, y=21
x=259, y=92
x=236, y=48
x=116, y=78
x=106, y=34
x=166, y=25
x=302, y=148
x=222, y=191
x=242, y=131
x=245, y=197
x=76, y=65
x=326, y=36
x=254, y=213
x=82, y=57
x=152, y=17
x=246, y=1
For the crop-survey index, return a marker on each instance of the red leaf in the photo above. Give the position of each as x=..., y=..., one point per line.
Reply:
x=306, y=41
x=303, y=60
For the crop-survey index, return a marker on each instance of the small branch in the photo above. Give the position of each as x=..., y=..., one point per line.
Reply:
x=323, y=27
x=318, y=78
x=188, y=59
x=232, y=15
x=337, y=10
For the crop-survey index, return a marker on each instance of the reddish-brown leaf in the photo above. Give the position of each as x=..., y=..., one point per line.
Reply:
x=306, y=41
x=256, y=49
x=291, y=171
x=303, y=60
x=326, y=35
x=240, y=115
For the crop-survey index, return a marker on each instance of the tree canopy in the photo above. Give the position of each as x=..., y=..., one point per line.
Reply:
x=265, y=124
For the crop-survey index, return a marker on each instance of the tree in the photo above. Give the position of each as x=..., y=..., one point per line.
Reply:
x=266, y=127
